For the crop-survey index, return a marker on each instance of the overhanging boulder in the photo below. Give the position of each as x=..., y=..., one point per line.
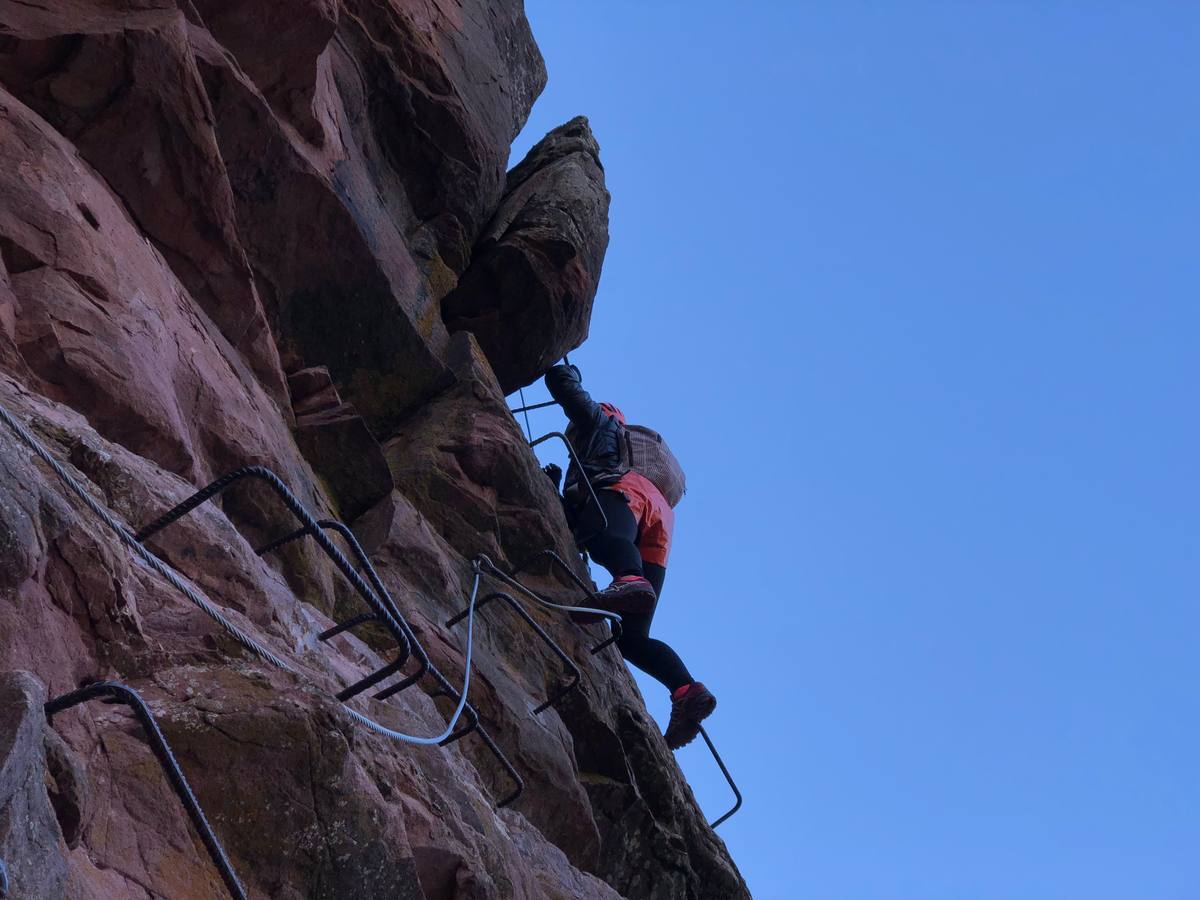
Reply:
x=527, y=295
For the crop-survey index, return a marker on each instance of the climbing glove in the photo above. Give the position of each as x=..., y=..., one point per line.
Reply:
x=569, y=372
x=554, y=473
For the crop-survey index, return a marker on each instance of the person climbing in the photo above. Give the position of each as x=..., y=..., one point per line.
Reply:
x=634, y=545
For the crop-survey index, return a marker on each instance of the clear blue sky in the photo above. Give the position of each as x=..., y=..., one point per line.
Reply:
x=912, y=289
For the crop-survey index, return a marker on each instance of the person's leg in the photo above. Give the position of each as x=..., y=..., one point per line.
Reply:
x=616, y=547
x=656, y=575
x=691, y=701
x=652, y=656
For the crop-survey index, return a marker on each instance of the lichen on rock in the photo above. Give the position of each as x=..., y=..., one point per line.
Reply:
x=302, y=253
x=527, y=295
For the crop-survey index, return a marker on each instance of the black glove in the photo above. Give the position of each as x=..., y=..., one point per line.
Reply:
x=564, y=373
x=554, y=473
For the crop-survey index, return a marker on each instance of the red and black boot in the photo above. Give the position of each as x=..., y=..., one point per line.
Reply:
x=690, y=705
x=628, y=595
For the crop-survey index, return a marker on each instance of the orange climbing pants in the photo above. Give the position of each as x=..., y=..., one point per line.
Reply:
x=655, y=518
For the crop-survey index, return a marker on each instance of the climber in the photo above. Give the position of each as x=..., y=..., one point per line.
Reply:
x=637, y=540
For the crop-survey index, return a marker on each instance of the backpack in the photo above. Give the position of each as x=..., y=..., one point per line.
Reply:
x=644, y=451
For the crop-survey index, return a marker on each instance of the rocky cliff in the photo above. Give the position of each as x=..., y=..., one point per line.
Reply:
x=281, y=233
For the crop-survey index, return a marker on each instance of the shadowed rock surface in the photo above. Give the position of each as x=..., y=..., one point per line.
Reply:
x=528, y=293
x=337, y=442
x=219, y=251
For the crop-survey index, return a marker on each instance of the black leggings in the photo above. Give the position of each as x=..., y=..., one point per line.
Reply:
x=616, y=550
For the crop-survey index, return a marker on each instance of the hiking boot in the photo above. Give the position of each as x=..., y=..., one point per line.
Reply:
x=628, y=595
x=690, y=705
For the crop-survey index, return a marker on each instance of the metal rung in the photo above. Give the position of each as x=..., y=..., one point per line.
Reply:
x=396, y=688
x=541, y=633
x=297, y=509
x=491, y=745
x=614, y=620
x=534, y=406
x=591, y=490
x=558, y=561
x=120, y=693
x=446, y=690
x=729, y=778
x=379, y=600
x=370, y=681
x=345, y=626
x=404, y=635
x=279, y=542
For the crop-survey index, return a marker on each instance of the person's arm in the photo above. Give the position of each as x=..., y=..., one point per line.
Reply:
x=566, y=387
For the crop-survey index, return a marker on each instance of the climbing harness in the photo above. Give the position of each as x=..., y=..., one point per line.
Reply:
x=111, y=692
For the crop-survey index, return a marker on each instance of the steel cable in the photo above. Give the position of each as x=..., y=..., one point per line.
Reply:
x=141, y=552
x=485, y=561
x=157, y=565
x=462, y=699
x=127, y=537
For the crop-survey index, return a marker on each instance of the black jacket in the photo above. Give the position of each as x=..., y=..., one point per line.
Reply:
x=595, y=435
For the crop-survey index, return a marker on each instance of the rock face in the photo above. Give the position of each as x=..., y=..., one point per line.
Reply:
x=31, y=843
x=528, y=293
x=301, y=253
x=337, y=442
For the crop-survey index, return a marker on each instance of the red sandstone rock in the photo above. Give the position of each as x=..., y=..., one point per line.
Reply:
x=186, y=211
x=287, y=67
x=102, y=322
x=29, y=834
x=327, y=244
x=467, y=74
x=463, y=462
x=127, y=94
x=338, y=444
x=528, y=293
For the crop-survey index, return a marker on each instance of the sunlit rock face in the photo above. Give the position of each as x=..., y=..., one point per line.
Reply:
x=282, y=234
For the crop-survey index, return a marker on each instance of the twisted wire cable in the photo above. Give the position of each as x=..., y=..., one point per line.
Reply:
x=484, y=561
x=462, y=698
x=130, y=540
x=140, y=551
